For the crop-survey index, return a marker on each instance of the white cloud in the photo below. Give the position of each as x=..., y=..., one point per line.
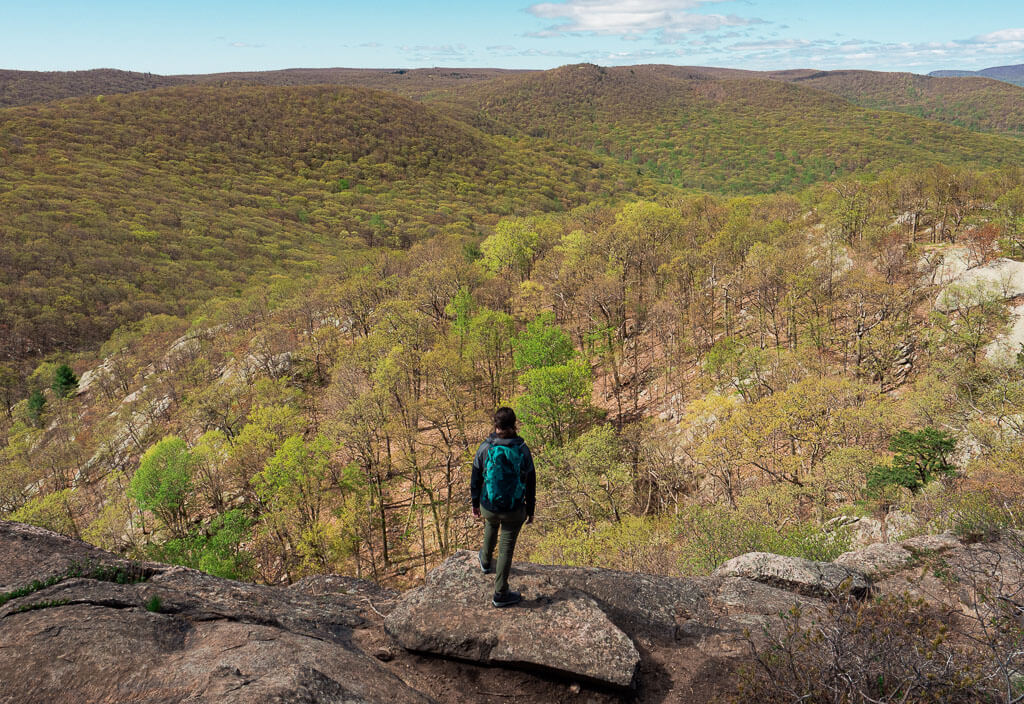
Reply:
x=1004, y=46
x=632, y=18
x=437, y=52
x=1003, y=35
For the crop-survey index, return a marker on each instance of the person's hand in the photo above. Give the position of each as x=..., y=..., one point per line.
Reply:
x=476, y=511
x=529, y=520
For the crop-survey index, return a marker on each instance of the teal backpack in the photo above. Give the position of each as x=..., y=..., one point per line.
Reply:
x=503, y=477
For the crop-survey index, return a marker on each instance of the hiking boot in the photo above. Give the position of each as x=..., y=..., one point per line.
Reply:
x=485, y=568
x=506, y=599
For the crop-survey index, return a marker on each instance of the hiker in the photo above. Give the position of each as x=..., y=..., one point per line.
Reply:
x=504, y=489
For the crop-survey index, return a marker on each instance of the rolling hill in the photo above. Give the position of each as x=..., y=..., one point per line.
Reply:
x=1011, y=74
x=734, y=134
x=119, y=206
x=977, y=103
x=27, y=87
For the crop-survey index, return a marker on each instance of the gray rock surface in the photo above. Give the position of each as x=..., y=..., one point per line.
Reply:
x=796, y=574
x=104, y=629
x=587, y=622
x=1002, y=279
x=556, y=628
x=177, y=636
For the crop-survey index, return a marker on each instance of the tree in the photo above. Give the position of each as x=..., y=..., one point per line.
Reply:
x=10, y=385
x=920, y=457
x=555, y=401
x=511, y=248
x=64, y=381
x=36, y=405
x=163, y=483
x=542, y=344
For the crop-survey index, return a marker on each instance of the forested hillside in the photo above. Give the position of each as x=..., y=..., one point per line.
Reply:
x=736, y=135
x=27, y=87
x=119, y=206
x=982, y=104
x=260, y=330
x=699, y=377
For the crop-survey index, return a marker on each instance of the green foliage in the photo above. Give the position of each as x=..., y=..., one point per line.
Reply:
x=48, y=604
x=511, y=248
x=163, y=483
x=541, y=344
x=154, y=604
x=294, y=477
x=64, y=381
x=50, y=511
x=588, y=480
x=725, y=134
x=142, y=216
x=36, y=406
x=461, y=311
x=217, y=550
x=34, y=586
x=974, y=515
x=713, y=534
x=921, y=456
x=636, y=543
x=555, y=402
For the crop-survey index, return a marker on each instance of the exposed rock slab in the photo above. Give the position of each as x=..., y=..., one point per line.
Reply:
x=1002, y=278
x=796, y=574
x=178, y=636
x=560, y=629
x=1003, y=350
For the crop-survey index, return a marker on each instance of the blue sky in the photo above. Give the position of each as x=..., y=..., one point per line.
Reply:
x=189, y=36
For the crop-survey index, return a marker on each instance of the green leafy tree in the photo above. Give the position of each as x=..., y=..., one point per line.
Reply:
x=50, y=511
x=920, y=457
x=542, y=344
x=556, y=400
x=163, y=482
x=590, y=480
x=489, y=344
x=64, y=381
x=511, y=248
x=217, y=551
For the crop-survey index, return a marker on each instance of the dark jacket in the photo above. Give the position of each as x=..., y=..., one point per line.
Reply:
x=476, y=484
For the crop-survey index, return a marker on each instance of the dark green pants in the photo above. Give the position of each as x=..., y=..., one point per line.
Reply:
x=509, y=524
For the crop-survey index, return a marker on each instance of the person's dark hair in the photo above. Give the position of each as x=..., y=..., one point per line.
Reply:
x=505, y=422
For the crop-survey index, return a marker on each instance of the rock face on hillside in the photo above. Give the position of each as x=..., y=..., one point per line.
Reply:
x=1001, y=279
x=87, y=626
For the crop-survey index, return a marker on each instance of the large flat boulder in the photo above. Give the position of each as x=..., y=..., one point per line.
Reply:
x=818, y=579
x=557, y=628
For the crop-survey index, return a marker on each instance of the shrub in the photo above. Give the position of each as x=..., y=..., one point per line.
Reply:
x=216, y=551
x=50, y=511
x=632, y=544
x=714, y=534
x=896, y=649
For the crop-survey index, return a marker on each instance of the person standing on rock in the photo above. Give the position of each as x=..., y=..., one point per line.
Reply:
x=503, y=488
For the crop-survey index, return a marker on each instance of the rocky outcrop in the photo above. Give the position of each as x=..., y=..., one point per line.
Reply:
x=81, y=625
x=88, y=627
x=820, y=579
x=1002, y=279
x=589, y=624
